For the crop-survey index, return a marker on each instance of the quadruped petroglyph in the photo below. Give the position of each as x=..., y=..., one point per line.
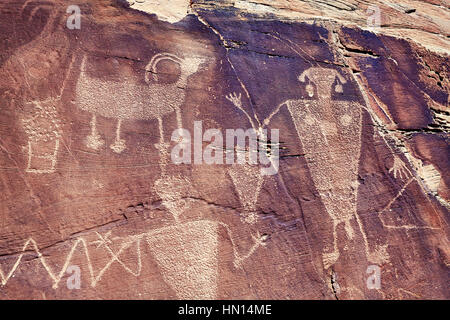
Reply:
x=130, y=100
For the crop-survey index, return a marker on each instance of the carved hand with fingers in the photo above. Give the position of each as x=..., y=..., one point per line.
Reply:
x=399, y=168
x=235, y=99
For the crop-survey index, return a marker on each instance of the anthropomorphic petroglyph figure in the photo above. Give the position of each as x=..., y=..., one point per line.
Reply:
x=186, y=253
x=43, y=129
x=247, y=177
x=330, y=134
x=41, y=81
x=129, y=99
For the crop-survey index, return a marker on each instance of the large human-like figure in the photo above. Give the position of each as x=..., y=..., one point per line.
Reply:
x=329, y=131
x=330, y=134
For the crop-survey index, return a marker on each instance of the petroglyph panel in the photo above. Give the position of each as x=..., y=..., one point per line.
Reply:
x=86, y=177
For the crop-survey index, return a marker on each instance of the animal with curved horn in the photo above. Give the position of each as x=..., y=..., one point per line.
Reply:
x=131, y=100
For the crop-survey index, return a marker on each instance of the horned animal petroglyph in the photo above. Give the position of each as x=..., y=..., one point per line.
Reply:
x=130, y=100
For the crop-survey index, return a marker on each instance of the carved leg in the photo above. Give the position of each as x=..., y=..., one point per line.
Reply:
x=42, y=156
x=119, y=144
x=94, y=141
x=348, y=228
x=330, y=258
x=258, y=241
x=163, y=148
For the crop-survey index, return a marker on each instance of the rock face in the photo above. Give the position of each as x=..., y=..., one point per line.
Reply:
x=93, y=204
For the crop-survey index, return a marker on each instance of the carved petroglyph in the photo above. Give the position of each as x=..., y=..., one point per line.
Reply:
x=248, y=182
x=187, y=255
x=31, y=245
x=330, y=134
x=41, y=123
x=388, y=206
x=258, y=241
x=130, y=100
x=247, y=178
x=42, y=126
x=39, y=119
x=399, y=169
x=236, y=100
x=406, y=294
x=94, y=141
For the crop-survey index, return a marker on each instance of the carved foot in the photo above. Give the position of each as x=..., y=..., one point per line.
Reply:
x=118, y=146
x=329, y=259
x=94, y=141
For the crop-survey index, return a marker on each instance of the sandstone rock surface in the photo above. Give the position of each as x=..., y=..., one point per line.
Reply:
x=88, y=185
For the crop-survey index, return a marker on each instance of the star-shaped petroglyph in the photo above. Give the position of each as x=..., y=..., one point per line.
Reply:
x=103, y=240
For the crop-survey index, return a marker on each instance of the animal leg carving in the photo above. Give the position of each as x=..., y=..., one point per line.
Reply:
x=94, y=141
x=119, y=144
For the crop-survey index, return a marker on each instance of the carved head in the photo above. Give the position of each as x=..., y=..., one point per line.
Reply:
x=188, y=65
x=191, y=65
x=320, y=82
